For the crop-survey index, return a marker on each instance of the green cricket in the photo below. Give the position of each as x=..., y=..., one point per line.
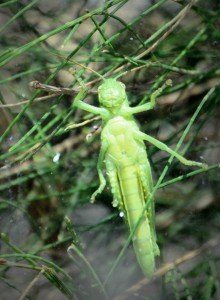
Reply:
x=123, y=154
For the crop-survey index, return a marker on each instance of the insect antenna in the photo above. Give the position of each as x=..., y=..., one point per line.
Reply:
x=87, y=68
x=132, y=70
x=73, y=71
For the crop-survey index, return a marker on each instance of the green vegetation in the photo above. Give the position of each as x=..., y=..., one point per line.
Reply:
x=54, y=242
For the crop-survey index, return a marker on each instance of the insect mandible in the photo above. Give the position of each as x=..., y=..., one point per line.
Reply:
x=123, y=154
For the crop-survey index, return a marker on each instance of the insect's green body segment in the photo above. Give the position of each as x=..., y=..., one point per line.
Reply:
x=130, y=178
x=123, y=153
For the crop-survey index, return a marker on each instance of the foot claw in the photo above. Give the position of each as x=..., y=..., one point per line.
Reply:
x=169, y=82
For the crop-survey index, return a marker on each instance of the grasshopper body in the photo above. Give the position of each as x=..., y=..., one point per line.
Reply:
x=129, y=174
x=123, y=153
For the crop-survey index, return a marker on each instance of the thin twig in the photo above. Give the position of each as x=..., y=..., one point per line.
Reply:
x=26, y=101
x=52, y=89
x=179, y=18
x=72, y=126
x=13, y=168
x=170, y=266
x=36, y=278
x=7, y=263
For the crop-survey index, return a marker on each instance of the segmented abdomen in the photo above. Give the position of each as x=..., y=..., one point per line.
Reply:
x=130, y=177
x=134, y=200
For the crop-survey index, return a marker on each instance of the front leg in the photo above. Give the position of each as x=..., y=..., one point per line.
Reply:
x=81, y=95
x=151, y=104
x=164, y=147
x=158, y=92
x=87, y=107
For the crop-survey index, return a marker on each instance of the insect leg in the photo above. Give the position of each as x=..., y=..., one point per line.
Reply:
x=151, y=104
x=115, y=186
x=100, y=167
x=159, y=91
x=164, y=147
x=87, y=107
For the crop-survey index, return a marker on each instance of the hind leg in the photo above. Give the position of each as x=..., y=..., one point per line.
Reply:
x=164, y=147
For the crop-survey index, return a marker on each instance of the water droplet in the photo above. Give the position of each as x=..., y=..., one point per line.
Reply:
x=115, y=203
x=201, y=157
x=56, y=157
x=121, y=214
x=131, y=39
x=206, y=138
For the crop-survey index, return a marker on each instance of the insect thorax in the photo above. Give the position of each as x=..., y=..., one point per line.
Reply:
x=120, y=135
